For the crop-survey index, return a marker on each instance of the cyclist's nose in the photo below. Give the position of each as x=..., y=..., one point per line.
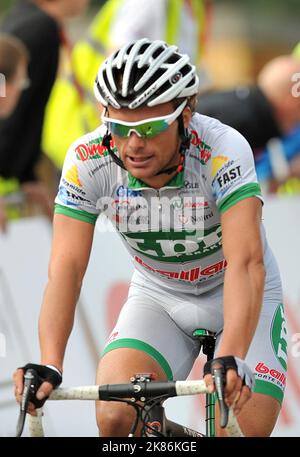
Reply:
x=135, y=141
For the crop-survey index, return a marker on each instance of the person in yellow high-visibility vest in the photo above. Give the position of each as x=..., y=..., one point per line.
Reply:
x=71, y=111
x=296, y=50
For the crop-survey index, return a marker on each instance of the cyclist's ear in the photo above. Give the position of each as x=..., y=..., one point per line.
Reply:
x=186, y=116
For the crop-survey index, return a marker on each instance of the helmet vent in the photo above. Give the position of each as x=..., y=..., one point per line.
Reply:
x=145, y=73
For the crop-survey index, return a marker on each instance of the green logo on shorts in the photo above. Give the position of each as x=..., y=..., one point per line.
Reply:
x=279, y=336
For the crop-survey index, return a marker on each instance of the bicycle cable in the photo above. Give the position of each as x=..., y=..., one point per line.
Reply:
x=154, y=402
x=137, y=408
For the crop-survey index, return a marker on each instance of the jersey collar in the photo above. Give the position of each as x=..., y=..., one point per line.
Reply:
x=176, y=182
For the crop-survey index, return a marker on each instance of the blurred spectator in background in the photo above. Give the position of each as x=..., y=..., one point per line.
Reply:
x=263, y=113
x=38, y=25
x=278, y=165
x=71, y=111
x=13, y=73
x=13, y=79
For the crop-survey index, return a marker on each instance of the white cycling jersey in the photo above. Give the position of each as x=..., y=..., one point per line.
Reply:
x=175, y=240
x=172, y=234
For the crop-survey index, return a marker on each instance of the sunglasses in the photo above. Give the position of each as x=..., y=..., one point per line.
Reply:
x=147, y=128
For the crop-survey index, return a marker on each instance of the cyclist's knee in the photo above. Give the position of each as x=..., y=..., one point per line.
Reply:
x=118, y=366
x=114, y=419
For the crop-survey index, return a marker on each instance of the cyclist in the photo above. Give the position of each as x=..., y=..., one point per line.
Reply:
x=192, y=224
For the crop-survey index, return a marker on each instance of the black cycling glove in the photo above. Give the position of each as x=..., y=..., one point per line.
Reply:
x=42, y=373
x=231, y=362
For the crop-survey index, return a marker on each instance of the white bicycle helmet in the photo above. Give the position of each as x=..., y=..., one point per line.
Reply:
x=145, y=73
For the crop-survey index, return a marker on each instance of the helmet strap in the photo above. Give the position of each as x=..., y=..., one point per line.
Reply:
x=106, y=140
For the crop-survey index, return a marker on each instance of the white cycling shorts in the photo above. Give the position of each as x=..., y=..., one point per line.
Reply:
x=161, y=323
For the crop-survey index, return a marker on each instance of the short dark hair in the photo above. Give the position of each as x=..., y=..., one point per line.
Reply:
x=12, y=51
x=191, y=102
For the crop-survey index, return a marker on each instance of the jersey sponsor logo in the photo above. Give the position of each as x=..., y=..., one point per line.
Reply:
x=112, y=337
x=176, y=246
x=204, y=149
x=71, y=186
x=233, y=174
x=126, y=206
x=221, y=169
x=72, y=176
x=192, y=275
x=70, y=198
x=194, y=219
x=217, y=163
x=123, y=191
x=99, y=167
x=189, y=203
x=279, y=336
x=92, y=150
x=263, y=372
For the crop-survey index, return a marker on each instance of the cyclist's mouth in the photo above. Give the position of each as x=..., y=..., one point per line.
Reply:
x=139, y=162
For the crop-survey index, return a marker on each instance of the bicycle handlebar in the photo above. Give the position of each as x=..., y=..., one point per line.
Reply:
x=141, y=390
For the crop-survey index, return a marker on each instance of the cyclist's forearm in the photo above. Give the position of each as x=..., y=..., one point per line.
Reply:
x=243, y=295
x=57, y=316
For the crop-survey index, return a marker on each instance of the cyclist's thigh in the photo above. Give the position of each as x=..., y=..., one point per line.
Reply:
x=121, y=364
x=144, y=326
x=144, y=340
x=267, y=356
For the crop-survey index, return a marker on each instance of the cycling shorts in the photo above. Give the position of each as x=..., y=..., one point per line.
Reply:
x=161, y=323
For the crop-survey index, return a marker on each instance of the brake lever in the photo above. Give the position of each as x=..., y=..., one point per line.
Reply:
x=219, y=380
x=31, y=384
